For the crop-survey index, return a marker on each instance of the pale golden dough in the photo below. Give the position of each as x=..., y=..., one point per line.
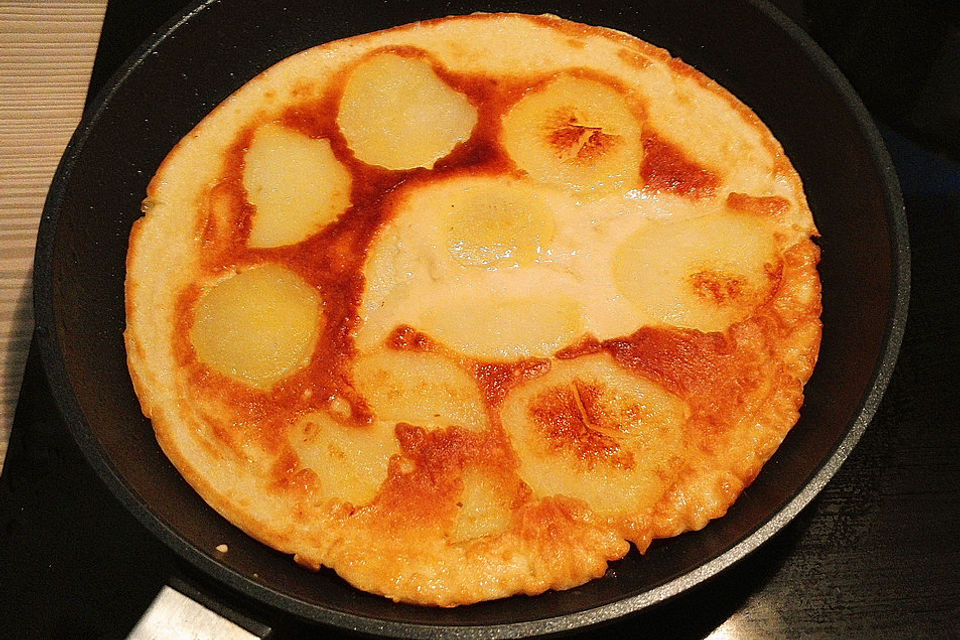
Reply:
x=473, y=333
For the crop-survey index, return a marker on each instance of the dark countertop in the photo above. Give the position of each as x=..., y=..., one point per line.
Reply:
x=876, y=554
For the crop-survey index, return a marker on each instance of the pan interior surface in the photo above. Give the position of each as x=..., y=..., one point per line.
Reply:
x=209, y=51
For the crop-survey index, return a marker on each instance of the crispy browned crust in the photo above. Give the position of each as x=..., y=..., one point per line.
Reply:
x=464, y=510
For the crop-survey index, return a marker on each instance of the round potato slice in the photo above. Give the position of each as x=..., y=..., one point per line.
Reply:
x=575, y=133
x=397, y=113
x=704, y=273
x=494, y=223
x=590, y=430
x=258, y=326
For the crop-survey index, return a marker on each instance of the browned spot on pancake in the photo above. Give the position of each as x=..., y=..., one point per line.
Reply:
x=226, y=224
x=575, y=43
x=508, y=93
x=634, y=58
x=771, y=206
x=578, y=142
x=223, y=209
x=406, y=338
x=715, y=373
x=314, y=118
x=596, y=414
x=584, y=346
x=717, y=287
x=305, y=89
x=184, y=315
x=798, y=298
x=289, y=478
x=496, y=379
x=569, y=418
x=667, y=168
x=436, y=449
x=422, y=486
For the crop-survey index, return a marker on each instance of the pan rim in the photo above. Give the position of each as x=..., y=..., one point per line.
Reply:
x=69, y=407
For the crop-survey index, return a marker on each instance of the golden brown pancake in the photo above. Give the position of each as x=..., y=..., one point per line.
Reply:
x=465, y=308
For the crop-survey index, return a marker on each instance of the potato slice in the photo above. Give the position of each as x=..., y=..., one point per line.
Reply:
x=504, y=327
x=495, y=223
x=421, y=389
x=350, y=461
x=483, y=508
x=703, y=273
x=258, y=326
x=296, y=184
x=397, y=113
x=590, y=430
x=575, y=133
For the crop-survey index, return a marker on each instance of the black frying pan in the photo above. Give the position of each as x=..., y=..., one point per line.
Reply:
x=204, y=54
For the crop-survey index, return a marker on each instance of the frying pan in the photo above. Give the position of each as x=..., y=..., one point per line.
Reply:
x=212, y=48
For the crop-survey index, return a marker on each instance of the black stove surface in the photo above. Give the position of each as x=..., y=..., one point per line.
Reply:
x=877, y=554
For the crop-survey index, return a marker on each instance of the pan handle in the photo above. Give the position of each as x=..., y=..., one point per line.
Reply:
x=180, y=611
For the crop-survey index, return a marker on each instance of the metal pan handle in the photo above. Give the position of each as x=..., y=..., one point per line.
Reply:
x=180, y=611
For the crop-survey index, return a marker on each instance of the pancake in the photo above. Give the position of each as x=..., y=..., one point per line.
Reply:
x=468, y=308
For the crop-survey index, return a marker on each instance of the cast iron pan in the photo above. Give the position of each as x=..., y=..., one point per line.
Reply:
x=203, y=55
